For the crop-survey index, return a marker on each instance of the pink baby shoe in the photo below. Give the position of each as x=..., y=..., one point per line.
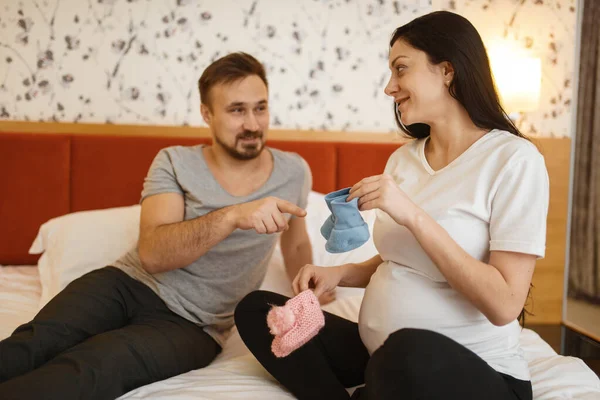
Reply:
x=295, y=323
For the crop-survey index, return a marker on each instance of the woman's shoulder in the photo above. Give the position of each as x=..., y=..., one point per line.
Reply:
x=406, y=154
x=514, y=154
x=407, y=148
x=512, y=146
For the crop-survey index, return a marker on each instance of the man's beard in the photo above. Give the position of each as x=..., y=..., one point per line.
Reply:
x=249, y=151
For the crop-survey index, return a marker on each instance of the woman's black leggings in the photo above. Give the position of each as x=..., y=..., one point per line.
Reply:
x=411, y=364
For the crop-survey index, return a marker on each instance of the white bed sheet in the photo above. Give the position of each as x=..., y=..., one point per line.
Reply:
x=20, y=292
x=235, y=374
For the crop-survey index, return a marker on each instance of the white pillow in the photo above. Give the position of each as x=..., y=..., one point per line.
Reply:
x=77, y=243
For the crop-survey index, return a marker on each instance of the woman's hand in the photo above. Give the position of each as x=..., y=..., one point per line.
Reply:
x=323, y=281
x=327, y=297
x=380, y=191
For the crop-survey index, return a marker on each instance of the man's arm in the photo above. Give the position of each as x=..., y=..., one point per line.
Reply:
x=295, y=247
x=168, y=242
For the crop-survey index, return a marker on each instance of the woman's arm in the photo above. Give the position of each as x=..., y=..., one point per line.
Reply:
x=359, y=274
x=326, y=279
x=498, y=288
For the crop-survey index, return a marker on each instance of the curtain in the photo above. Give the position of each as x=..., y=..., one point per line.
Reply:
x=584, y=257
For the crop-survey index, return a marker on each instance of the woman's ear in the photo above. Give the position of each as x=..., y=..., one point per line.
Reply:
x=447, y=73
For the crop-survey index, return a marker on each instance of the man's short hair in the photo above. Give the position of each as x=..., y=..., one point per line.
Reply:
x=227, y=69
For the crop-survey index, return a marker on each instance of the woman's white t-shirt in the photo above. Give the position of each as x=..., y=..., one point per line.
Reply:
x=494, y=196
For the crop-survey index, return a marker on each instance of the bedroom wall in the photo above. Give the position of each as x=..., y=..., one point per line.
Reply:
x=137, y=61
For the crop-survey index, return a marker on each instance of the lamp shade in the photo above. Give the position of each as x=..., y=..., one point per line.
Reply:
x=518, y=80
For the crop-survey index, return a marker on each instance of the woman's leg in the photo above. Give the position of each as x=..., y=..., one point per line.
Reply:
x=321, y=369
x=421, y=364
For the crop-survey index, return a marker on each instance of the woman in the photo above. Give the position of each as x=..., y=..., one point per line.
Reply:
x=461, y=220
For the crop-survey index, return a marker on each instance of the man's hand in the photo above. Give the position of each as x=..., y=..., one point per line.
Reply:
x=265, y=215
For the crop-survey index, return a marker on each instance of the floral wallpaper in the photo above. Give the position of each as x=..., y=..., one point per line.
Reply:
x=138, y=61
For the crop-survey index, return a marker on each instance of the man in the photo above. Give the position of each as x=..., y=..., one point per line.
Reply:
x=210, y=218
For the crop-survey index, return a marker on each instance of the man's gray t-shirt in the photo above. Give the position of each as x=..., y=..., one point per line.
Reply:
x=207, y=291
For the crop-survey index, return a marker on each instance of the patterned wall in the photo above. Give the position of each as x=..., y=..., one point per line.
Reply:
x=138, y=61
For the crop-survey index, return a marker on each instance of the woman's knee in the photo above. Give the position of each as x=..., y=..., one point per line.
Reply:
x=395, y=353
x=412, y=342
x=251, y=300
x=256, y=303
x=403, y=361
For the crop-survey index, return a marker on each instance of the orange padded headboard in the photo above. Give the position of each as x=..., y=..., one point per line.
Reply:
x=34, y=187
x=44, y=176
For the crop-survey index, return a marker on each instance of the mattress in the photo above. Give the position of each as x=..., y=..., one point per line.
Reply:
x=235, y=374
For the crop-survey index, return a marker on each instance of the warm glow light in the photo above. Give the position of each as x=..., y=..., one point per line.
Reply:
x=518, y=79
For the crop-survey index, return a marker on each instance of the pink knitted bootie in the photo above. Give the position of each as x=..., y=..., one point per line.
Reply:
x=295, y=323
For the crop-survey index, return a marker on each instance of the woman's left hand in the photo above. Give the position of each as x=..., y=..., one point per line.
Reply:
x=380, y=191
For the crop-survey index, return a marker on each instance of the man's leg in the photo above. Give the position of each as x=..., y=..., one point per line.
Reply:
x=323, y=368
x=106, y=366
x=97, y=302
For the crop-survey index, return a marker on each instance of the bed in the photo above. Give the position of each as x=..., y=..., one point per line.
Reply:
x=69, y=205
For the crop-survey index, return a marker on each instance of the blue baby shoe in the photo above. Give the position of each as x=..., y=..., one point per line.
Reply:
x=330, y=222
x=345, y=228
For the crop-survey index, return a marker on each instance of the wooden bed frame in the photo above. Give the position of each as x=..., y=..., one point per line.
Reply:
x=50, y=169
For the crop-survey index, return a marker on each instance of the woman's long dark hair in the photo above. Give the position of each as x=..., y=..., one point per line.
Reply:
x=445, y=36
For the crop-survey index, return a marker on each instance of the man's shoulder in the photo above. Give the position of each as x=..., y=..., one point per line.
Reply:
x=289, y=158
x=290, y=166
x=179, y=154
x=182, y=151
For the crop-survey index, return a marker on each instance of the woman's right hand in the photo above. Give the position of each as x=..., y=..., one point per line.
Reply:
x=320, y=279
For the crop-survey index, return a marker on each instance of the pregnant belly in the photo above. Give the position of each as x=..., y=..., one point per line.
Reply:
x=398, y=297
